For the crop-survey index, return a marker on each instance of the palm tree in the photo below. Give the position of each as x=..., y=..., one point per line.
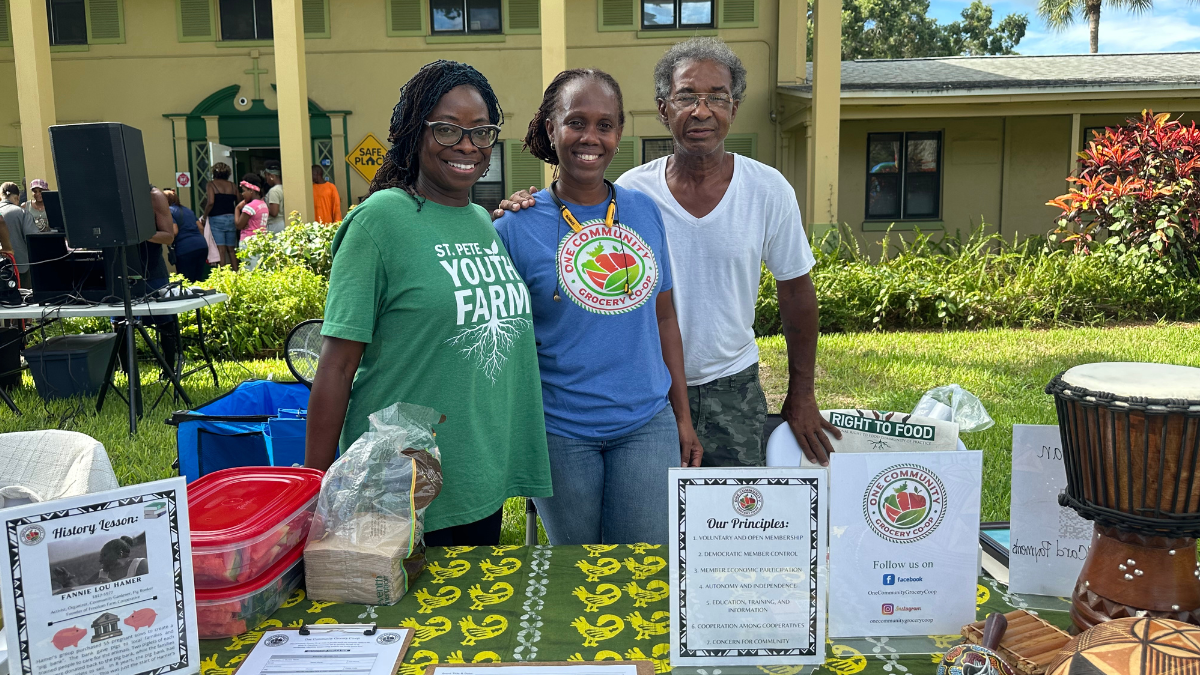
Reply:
x=1060, y=14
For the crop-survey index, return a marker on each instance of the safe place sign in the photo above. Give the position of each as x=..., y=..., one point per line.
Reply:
x=367, y=157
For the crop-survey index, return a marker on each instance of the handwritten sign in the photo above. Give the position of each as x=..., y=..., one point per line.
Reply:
x=1049, y=542
x=367, y=157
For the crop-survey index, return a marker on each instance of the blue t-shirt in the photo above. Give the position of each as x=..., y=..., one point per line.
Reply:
x=189, y=238
x=602, y=368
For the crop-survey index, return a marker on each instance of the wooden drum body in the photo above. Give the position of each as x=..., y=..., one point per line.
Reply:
x=1131, y=448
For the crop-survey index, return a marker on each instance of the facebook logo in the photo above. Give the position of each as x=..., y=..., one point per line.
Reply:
x=889, y=580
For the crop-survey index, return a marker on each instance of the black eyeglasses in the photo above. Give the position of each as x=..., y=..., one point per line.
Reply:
x=449, y=135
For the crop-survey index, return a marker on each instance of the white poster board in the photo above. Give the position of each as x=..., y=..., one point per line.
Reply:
x=747, y=566
x=101, y=584
x=904, y=542
x=1049, y=542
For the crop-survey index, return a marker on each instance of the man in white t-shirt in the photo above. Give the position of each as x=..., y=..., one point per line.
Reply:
x=276, y=216
x=739, y=214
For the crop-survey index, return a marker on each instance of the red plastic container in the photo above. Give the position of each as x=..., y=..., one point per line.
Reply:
x=246, y=519
x=225, y=612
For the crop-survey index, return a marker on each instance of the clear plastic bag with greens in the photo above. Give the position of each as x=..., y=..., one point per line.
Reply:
x=367, y=540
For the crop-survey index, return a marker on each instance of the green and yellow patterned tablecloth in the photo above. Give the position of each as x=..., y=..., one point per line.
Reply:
x=593, y=603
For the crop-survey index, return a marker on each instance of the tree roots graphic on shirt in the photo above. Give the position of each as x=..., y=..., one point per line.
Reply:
x=487, y=344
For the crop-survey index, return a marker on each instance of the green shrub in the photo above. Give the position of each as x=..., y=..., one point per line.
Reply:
x=982, y=282
x=300, y=245
x=264, y=304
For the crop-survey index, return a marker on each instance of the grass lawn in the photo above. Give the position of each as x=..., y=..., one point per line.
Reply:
x=1007, y=369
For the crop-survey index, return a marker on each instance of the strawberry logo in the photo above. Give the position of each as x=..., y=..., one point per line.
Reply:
x=904, y=503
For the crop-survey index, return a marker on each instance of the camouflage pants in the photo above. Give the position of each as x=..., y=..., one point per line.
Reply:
x=728, y=414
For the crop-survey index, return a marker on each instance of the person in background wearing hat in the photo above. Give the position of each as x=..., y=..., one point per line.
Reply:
x=276, y=216
x=326, y=201
x=35, y=207
x=19, y=224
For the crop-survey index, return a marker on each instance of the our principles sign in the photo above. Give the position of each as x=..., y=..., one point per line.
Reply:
x=747, y=566
x=367, y=157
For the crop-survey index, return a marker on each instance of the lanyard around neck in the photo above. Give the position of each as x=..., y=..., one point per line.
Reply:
x=609, y=218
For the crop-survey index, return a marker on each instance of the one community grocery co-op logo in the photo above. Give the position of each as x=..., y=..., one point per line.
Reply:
x=31, y=535
x=905, y=503
x=596, y=263
x=747, y=501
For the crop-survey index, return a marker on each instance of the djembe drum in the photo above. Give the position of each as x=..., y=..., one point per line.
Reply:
x=1131, y=447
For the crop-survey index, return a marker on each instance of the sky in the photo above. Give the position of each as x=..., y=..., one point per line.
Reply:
x=1173, y=25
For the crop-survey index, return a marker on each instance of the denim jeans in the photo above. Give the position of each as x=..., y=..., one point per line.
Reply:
x=612, y=491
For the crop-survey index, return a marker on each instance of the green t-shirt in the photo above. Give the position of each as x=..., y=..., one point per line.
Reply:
x=447, y=325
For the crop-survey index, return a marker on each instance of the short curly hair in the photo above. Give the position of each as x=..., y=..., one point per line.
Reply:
x=699, y=49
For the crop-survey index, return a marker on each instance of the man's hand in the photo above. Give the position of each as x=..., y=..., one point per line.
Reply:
x=522, y=199
x=690, y=450
x=804, y=417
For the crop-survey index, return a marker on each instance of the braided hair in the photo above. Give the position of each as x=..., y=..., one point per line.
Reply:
x=418, y=97
x=537, y=139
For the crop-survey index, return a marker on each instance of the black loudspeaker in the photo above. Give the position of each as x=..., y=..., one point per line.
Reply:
x=11, y=342
x=103, y=187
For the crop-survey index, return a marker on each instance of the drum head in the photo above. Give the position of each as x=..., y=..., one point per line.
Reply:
x=1145, y=380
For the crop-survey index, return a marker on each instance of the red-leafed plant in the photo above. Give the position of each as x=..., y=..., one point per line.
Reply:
x=1138, y=190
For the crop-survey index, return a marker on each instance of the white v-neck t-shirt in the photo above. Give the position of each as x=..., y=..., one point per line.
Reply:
x=716, y=260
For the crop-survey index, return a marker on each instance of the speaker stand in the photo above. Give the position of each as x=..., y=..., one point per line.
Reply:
x=127, y=330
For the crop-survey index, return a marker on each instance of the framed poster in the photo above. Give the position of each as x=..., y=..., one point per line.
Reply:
x=904, y=549
x=1049, y=542
x=101, y=584
x=747, y=566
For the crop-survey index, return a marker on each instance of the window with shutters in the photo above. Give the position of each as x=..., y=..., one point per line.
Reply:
x=678, y=14
x=246, y=19
x=904, y=176
x=67, y=21
x=464, y=17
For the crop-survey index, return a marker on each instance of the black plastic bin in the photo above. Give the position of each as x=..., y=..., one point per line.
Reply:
x=70, y=365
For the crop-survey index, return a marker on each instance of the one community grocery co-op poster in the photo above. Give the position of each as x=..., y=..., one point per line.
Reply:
x=101, y=584
x=903, y=544
x=747, y=566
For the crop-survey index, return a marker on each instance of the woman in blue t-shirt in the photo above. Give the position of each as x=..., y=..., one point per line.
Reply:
x=594, y=257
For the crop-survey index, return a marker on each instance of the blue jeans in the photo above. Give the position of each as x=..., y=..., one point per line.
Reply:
x=613, y=491
x=224, y=230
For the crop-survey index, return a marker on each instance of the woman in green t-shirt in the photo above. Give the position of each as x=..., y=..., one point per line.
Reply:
x=425, y=307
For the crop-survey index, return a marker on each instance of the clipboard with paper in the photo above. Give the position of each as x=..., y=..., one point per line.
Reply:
x=352, y=649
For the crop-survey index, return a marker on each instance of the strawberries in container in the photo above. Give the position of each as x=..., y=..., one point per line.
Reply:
x=246, y=519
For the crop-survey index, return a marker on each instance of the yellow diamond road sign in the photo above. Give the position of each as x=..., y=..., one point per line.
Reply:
x=367, y=157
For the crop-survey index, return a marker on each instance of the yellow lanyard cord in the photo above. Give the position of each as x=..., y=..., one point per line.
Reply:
x=574, y=222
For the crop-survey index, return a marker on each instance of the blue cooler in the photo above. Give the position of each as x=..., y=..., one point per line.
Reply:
x=258, y=423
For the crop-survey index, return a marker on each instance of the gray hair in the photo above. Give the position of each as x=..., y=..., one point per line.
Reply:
x=699, y=49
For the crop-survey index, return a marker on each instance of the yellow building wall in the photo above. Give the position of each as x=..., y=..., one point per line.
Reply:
x=1039, y=160
x=360, y=68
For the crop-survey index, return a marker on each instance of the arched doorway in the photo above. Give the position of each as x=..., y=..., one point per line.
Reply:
x=251, y=130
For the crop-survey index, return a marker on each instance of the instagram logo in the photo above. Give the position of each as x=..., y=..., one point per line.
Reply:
x=888, y=609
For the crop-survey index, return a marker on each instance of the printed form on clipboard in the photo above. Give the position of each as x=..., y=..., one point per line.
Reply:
x=347, y=649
